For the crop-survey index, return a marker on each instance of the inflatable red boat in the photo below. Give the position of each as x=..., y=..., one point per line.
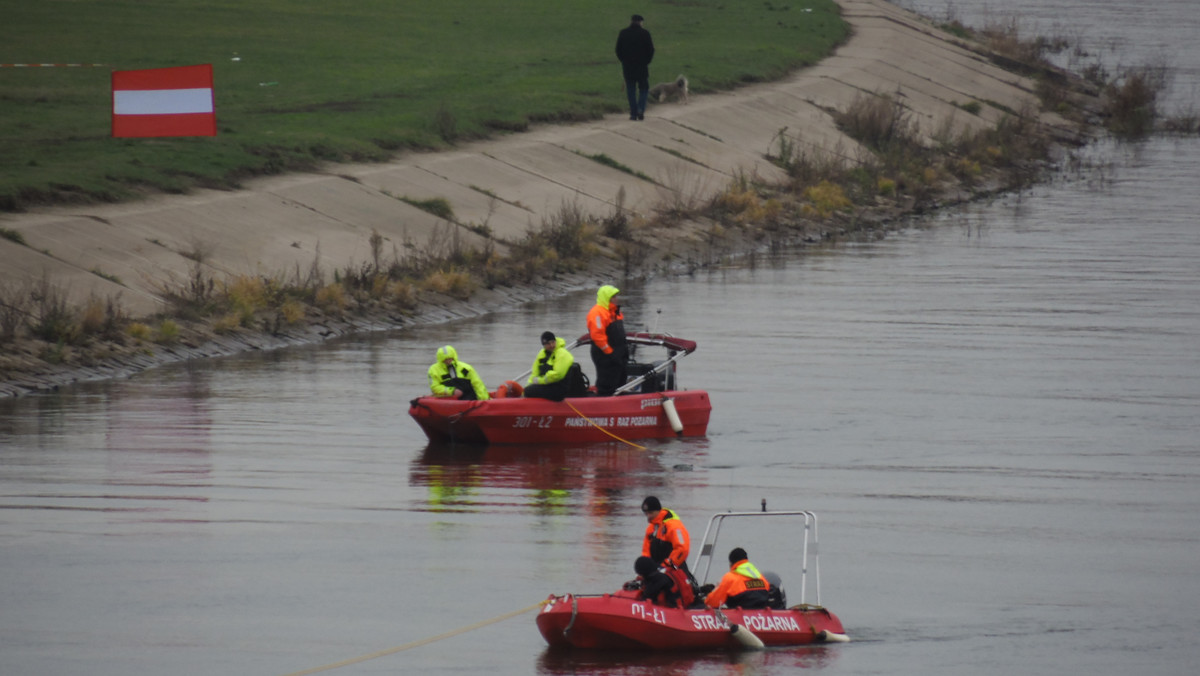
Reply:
x=620, y=621
x=648, y=406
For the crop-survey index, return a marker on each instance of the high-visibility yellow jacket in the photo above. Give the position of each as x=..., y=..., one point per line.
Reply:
x=441, y=375
x=551, y=368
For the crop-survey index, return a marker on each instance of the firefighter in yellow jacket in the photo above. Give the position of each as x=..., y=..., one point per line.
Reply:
x=742, y=587
x=449, y=377
x=548, y=377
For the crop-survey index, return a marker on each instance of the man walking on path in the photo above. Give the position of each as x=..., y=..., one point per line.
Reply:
x=635, y=50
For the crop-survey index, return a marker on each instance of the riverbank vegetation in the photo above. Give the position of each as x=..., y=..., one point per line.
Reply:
x=900, y=170
x=1128, y=95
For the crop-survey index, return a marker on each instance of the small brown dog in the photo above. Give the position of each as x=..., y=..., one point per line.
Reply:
x=665, y=91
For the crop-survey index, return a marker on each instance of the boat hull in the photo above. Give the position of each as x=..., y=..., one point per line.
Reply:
x=573, y=420
x=621, y=622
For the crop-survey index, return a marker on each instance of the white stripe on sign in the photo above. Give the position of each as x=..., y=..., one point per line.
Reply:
x=162, y=101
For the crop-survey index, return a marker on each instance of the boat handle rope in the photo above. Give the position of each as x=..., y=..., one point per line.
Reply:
x=461, y=414
x=574, y=614
x=593, y=424
x=414, y=644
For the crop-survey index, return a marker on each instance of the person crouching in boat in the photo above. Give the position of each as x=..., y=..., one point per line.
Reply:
x=660, y=587
x=666, y=539
x=449, y=377
x=548, y=378
x=742, y=587
x=606, y=326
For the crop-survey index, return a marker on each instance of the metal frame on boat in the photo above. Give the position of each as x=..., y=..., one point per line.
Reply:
x=622, y=621
x=648, y=406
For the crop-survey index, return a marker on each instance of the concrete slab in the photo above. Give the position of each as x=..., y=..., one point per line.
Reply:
x=679, y=182
x=672, y=134
x=594, y=185
x=473, y=205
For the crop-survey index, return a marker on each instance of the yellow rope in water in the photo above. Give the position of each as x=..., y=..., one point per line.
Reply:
x=593, y=422
x=414, y=644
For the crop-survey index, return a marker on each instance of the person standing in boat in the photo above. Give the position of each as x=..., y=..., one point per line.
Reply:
x=449, y=377
x=667, y=540
x=742, y=587
x=548, y=378
x=606, y=326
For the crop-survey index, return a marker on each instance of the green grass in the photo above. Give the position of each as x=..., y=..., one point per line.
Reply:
x=348, y=80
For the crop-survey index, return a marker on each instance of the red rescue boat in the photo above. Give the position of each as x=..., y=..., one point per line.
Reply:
x=619, y=621
x=648, y=406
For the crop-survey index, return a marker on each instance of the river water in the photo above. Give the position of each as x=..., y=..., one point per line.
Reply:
x=993, y=413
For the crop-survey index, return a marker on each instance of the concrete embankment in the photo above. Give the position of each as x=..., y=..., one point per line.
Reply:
x=291, y=223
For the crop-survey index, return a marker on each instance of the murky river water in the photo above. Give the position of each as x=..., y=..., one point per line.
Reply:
x=993, y=413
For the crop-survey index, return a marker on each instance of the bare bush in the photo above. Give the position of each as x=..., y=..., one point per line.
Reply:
x=1130, y=104
x=14, y=309
x=804, y=163
x=878, y=121
x=53, y=319
x=681, y=191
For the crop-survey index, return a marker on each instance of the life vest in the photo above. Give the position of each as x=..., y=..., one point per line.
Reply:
x=683, y=586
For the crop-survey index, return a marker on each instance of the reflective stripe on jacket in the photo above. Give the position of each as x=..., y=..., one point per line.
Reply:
x=553, y=367
x=669, y=527
x=439, y=374
x=742, y=577
x=601, y=315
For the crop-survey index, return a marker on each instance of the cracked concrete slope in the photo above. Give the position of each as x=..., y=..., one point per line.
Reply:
x=285, y=225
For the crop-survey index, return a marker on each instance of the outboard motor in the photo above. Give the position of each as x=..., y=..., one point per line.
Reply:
x=776, y=597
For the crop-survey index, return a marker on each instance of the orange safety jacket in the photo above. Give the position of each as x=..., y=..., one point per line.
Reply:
x=603, y=313
x=669, y=527
x=742, y=577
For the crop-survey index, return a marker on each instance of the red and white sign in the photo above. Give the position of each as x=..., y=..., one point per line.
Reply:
x=163, y=102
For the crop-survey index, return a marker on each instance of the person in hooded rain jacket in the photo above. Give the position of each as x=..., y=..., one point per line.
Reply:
x=547, y=379
x=449, y=377
x=606, y=326
x=742, y=587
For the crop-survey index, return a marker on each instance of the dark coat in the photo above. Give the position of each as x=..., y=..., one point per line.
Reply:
x=635, y=49
x=661, y=590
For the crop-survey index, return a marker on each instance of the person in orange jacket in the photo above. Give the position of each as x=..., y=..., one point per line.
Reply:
x=742, y=587
x=667, y=539
x=606, y=326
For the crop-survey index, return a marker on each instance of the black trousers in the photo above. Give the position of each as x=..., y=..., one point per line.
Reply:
x=553, y=391
x=610, y=371
x=468, y=390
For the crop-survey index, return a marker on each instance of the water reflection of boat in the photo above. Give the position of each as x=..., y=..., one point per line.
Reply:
x=555, y=662
x=649, y=406
x=620, y=621
x=592, y=468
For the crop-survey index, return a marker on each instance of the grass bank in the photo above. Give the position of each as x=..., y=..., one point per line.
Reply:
x=299, y=83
